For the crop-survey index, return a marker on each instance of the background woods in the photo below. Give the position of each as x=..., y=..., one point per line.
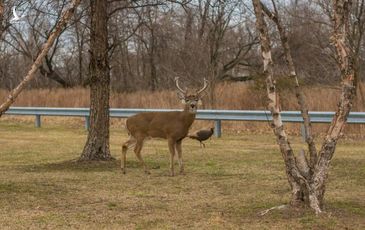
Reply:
x=151, y=42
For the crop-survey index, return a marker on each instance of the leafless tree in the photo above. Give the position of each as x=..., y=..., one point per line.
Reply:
x=97, y=144
x=29, y=41
x=65, y=18
x=307, y=175
x=150, y=42
x=1, y=17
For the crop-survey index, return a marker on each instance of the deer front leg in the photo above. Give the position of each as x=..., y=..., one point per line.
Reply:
x=179, y=154
x=172, y=144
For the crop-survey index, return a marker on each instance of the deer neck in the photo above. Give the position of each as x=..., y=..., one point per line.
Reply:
x=189, y=115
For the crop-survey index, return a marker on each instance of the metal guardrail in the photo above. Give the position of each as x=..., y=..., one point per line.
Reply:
x=215, y=115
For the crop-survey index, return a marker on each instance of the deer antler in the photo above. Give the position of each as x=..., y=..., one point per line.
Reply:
x=206, y=83
x=178, y=86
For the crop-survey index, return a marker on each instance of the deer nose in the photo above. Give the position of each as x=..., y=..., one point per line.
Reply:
x=192, y=106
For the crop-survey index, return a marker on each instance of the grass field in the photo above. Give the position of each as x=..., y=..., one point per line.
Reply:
x=225, y=187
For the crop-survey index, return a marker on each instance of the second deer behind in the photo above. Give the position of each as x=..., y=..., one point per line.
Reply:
x=173, y=126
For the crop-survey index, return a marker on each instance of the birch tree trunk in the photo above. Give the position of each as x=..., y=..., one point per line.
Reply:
x=66, y=16
x=345, y=59
x=97, y=144
x=303, y=164
x=307, y=178
x=273, y=101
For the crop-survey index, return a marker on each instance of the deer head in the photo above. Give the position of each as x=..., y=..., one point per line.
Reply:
x=191, y=100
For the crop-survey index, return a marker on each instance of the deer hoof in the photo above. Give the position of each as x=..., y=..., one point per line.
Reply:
x=147, y=172
x=123, y=170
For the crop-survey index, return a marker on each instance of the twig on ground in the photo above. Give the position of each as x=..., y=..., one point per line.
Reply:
x=280, y=207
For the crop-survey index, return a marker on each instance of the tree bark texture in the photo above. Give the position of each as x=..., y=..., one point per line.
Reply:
x=345, y=59
x=1, y=17
x=97, y=144
x=305, y=167
x=307, y=178
x=65, y=18
x=273, y=101
x=298, y=90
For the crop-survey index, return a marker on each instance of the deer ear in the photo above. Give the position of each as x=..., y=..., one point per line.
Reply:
x=200, y=102
x=183, y=101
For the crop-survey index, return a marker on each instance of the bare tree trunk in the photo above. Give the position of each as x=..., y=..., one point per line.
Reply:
x=273, y=101
x=307, y=179
x=80, y=48
x=97, y=144
x=38, y=62
x=300, y=195
x=153, y=70
x=1, y=17
x=124, y=66
x=346, y=60
x=204, y=12
x=188, y=30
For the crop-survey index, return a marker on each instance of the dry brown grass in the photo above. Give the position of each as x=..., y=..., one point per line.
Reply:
x=229, y=96
x=240, y=96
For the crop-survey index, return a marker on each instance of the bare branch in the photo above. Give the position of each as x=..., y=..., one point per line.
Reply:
x=66, y=16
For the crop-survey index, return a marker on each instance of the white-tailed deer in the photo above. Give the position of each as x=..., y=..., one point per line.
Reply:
x=173, y=126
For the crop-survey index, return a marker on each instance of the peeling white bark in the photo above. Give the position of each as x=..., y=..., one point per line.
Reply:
x=307, y=177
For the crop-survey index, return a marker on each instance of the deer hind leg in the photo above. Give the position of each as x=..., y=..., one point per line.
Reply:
x=172, y=146
x=179, y=154
x=126, y=145
x=137, y=151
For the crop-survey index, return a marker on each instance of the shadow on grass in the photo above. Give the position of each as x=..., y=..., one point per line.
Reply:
x=85, y=166
x=33, y=188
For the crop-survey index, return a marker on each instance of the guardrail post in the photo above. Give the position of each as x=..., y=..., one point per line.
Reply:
x=87, y=122
x=38, y=121
x=217, y=128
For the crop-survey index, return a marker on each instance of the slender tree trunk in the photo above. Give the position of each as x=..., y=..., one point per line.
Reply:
x=346, y=60
x=301, y=195
x=97, y=144
x=1, y=18
x=273, y=102
x=153, y=71
x=123, y=64
x=213, y=71
x=151, y=50
x=38, y=62
x=188, y=35
x=307, y=178
x=80, y=48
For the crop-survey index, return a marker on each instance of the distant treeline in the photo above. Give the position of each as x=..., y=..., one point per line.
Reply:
x=154, y=41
